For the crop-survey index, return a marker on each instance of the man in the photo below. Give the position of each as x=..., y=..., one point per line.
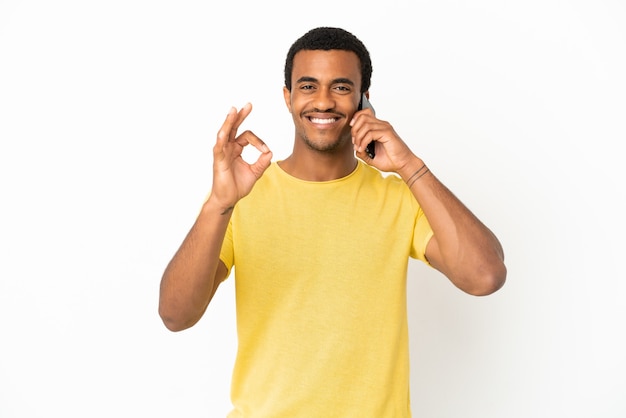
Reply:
x=320, y=243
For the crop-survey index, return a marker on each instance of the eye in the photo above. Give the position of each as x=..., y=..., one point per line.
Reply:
x=342, y=88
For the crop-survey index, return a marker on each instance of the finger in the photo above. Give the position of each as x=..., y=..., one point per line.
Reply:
x=224, y=133
x=248, y=137
x=241, y=116
x=261, y=164
x=361, y=134
x=360, y=114
x=361, y=149
x=365, y=138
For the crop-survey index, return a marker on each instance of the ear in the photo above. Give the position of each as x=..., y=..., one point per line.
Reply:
x=287, y=95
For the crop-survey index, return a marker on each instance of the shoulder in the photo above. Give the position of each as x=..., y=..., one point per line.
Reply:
x=377, y=177
x=388, y=187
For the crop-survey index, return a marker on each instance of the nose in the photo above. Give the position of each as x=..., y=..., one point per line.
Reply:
x=324, y=101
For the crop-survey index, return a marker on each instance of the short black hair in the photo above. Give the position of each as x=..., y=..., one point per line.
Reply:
x=328, y=38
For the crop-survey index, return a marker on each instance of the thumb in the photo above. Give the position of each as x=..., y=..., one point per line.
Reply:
x=261, y=164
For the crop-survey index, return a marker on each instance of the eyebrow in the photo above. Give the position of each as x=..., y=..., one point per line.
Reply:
x=341, y=80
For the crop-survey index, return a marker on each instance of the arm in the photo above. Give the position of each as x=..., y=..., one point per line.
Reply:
x=194, y=273
x=462, y=247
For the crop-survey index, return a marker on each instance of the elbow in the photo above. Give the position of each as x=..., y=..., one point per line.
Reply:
x=173, y=325
x=486, y=281
x=173, y=321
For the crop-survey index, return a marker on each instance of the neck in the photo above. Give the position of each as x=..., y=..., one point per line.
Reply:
x=313, y=165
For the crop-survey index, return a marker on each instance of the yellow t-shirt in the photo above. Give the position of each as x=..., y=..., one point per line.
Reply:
x=320, y=278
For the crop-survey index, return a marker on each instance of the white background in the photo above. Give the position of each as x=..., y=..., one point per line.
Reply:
x=108, y=113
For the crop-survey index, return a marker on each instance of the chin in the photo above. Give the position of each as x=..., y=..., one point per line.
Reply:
x=323, y=147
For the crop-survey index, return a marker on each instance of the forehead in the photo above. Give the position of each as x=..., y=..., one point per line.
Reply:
x=326, y=65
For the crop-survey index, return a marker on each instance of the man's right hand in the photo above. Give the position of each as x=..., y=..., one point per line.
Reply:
x=194, y=273
x=233, y=177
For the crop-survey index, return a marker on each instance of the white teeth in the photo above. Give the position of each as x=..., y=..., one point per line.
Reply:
x=323, y=121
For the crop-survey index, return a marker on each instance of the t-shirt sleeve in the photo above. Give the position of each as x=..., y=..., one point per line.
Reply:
x=227, y=255
x=421, y=236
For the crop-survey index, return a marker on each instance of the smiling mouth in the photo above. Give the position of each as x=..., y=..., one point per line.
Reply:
x=323, y=121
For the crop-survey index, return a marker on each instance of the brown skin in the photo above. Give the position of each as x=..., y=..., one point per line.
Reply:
x=194, y=273
x=329, y=136
x=325, y=85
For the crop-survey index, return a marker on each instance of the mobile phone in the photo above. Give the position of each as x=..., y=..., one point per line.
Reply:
x=370, y=150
